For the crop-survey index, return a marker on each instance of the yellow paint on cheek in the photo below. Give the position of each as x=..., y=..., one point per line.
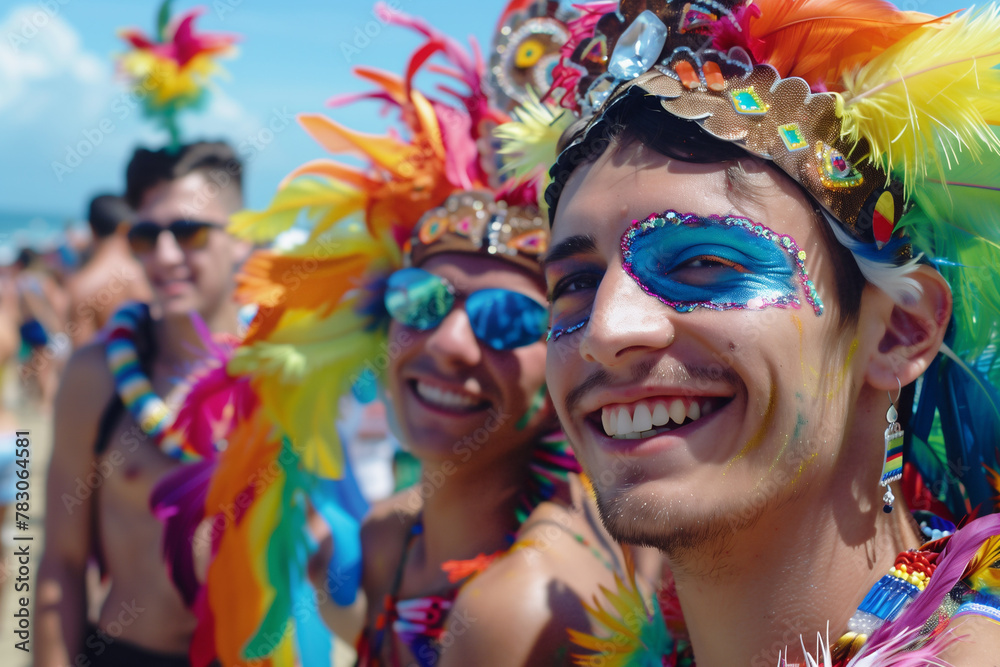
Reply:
x=774, y=463
x=758, y=437
x=842, y=374
x=802, y=467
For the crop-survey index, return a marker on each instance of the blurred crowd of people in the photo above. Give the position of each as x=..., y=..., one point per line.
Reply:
x=55, y=301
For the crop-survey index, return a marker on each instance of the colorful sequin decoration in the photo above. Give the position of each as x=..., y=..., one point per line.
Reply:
x=791, y=135
x=763, y=282
x=135, y=389
x=558, y=332
x=432, y=230
x=835, y=171
x=747, y=101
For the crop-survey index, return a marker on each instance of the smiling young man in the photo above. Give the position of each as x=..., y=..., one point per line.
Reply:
x=738, y=322
x=112, y=406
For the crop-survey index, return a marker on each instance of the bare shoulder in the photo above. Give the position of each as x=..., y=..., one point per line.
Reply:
x=513, y=615
x=86, y=386
x=384, y=531
x=979, y=644
x=522, y=606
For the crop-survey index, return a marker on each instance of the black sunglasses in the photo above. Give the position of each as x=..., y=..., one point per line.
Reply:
x=190, y=234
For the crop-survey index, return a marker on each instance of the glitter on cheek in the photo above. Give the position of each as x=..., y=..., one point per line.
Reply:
x=558, y=332
x=767, y=419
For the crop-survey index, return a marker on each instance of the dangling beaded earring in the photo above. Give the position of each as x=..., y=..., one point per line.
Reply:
x=892, y=464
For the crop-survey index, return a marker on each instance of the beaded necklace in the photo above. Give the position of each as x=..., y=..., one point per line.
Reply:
x=136, y=391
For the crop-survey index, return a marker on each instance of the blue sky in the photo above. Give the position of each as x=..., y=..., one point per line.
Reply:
x=58, y=89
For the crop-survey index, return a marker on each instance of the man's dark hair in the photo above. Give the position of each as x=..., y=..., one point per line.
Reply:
x=106, y=213
x=638, y=118
x=216, y=159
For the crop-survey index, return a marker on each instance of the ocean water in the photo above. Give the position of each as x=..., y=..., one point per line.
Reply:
x=43, y=232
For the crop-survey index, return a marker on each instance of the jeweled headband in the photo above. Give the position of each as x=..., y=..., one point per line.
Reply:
x=475, y=222
x=817, y=95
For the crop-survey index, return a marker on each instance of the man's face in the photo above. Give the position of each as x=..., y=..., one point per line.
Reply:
x=695, y=341
x=190, y=277
x=455, y=397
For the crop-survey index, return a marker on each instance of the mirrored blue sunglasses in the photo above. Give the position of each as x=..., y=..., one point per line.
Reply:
x=500, y=318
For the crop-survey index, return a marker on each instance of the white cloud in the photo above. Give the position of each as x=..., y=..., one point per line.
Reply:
x=40, y=50
x=62, y=104
x=45, y=70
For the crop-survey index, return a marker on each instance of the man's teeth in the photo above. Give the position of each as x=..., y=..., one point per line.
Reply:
x=445, y=399
x=647, y=416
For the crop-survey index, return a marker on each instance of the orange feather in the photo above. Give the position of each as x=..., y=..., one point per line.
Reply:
x=330, y=169
x=387, y=152
x=819, y=40
x=240, y=465
x=392, y=84
x=282, y=282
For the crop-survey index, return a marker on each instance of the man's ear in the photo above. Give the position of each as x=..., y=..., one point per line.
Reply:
x=911, y=333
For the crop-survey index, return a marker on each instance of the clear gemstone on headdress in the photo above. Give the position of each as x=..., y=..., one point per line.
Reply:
x=639, y=47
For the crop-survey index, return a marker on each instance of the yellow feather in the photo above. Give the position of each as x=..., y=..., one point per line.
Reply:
x=528, y=143
x=928, y=98
x=310, y=360
x=328, y=198
x=982, y=574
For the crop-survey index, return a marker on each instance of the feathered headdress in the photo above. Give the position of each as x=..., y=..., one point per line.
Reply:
x=170, y=72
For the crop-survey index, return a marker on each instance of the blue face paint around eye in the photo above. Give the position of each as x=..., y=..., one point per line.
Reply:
x=721, y=263
x=557, y=332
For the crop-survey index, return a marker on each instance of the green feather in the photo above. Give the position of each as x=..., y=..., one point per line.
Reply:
x=162, y=21
x=957, y=224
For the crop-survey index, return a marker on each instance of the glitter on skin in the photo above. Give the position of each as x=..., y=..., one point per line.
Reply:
x=757, y=437
x=798, y=325
x=800, y=422
x=842, y=374
x=757, y=271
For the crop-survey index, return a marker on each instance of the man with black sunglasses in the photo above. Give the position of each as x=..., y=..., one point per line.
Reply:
x=112, y=407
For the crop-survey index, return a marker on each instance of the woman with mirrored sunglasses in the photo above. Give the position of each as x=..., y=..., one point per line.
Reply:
x=501, y=318
x=499, y=525
x=435, y=294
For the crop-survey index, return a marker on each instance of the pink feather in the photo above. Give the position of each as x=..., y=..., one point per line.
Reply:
x=215, y=402
x=961, y=548
x=178, y=500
